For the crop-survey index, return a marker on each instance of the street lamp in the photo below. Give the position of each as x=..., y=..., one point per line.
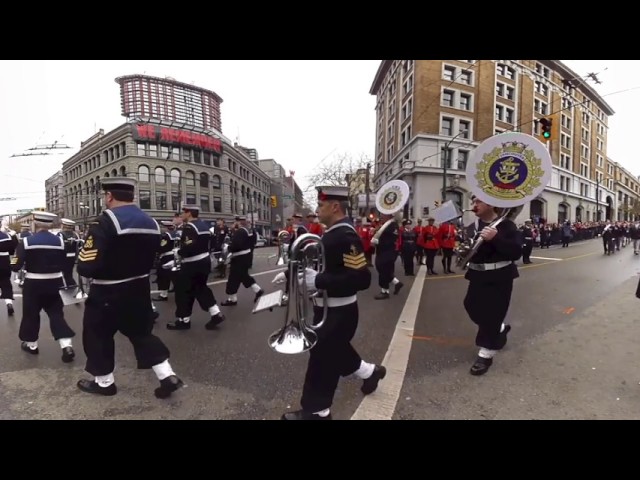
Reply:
x=84, y=208
x=598, y=198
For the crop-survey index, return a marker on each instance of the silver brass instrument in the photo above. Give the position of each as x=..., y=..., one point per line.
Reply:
x=174, y=265
x=284, y=238
x=298, y=333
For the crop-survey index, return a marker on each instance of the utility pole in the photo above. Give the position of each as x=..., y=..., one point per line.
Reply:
x=445, y=164
x=597, y=197
x=367, y=189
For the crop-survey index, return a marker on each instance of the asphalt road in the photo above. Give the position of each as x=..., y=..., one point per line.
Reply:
x=570, y=353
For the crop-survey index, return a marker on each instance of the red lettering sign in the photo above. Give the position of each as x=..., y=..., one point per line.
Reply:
x=184, y=137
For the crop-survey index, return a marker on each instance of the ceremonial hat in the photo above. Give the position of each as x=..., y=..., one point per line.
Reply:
x=118, y=183
x=68, y=222
x=333, y=193
x=166, y=223
x=241, y=217
x=191, y=207
x=44, y=217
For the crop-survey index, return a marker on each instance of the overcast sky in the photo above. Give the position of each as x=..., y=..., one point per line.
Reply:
x=296, y=112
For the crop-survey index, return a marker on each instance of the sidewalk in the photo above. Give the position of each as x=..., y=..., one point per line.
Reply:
x=587, y=368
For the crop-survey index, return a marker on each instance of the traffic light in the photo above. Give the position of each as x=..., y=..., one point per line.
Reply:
x=274, y=201
x=546, y=127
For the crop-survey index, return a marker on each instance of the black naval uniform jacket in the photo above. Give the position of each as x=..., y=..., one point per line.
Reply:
x=8, y=245
x=121, y=245
x=346, y=271
x=241, y=246
x=297, y=232
x=506, y=246
x=386, y=250
x=195, y=245
x=42, y=252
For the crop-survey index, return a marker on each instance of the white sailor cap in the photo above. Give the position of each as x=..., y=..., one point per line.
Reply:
x=241, y=218
x=118, y=183
x=67, y=222
x=191, y=208
x=333, y=193
x=44, y=217
x=166, y=223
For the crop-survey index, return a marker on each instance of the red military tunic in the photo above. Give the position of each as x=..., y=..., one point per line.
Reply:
x=315, y=228
x=430, y=237
x=447, y=236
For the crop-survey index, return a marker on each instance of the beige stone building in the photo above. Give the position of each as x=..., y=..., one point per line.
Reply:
x=428, y=111
x=627, y=188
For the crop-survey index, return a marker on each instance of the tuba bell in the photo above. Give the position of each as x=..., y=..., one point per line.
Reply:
x=298, y=333
x=283, y=247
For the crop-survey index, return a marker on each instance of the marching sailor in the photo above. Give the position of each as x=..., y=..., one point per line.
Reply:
x=345, y=274
x=118, y=255
x=386, y=240
x=8, y=243
x=165, y=254
x=491, y=272
x=70, y=239
x=240, y=248
x=195, y=267
x=43, y=257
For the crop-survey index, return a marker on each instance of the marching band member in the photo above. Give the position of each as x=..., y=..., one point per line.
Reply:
x=165, y=254
x=491, y=272
x=43, y=257
x=195, y=267
x=446, y=238
x=431, y=245
x=240, y=249
x=527, y=244
x=220, y=233
x=407, y=247
x=70, y=239
x=297, y=229
x=118, y=255
x=345, y=274
x=385, y=241
x=8, y=243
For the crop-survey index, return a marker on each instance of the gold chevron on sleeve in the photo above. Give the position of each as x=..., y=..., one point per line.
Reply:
x=355, y=262
x=87, y=255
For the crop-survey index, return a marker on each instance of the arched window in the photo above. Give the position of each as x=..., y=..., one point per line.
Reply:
x=216, y=182
x=114, y=173
x=204, y=180
x=190, y=178
x=159, y=175
x=123, y=171
x=143, y=173
x=175, y=176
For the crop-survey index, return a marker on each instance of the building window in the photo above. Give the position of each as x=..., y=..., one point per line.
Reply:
x=217, y=204
x=143, y=174
x=159, y=174
x=145, y=199
x=191, y=198
x=447, y=98
x=175, y=201
x=463, y=158
x=447, y=127
x=215, y=181
x=161, y=201
x=204, y=180
x=175, y=176
x=142, y=151
x=190, y=179
x=204, y=203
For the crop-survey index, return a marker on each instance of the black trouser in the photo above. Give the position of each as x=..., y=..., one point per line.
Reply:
x=431, y=257
x=67, y=271
x=191, y=285
x=407, y=259
x=447, y=254
x=6, y=288
x=331, y=358
x=44, y=295
x=124, y=308
x=419, y=254
x=385, y=264
x=565, y=240
x=164, y=276
x=368, y=255
x=487, y=305
x=239, y=273
x=527, y=248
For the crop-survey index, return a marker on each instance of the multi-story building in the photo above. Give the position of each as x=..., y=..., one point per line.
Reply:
x=432, y=114
x=174, y=162
x=361, y=198
x=287, y=193
x=627, y=188
x=54, y=193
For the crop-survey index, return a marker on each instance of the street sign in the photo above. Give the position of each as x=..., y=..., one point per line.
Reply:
x=288, y=197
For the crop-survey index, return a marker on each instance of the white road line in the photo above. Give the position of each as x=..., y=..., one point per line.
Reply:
x=548, y=258
x=218, y=282
x=381, y=404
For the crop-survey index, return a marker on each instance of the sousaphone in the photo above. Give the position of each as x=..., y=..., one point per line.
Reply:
x=390, y=200
x=507, y=171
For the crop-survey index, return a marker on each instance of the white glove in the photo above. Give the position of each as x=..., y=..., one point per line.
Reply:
x=279, y=278
x=374, y=241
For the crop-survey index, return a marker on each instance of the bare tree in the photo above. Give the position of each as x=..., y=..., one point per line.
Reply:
x=333, y=173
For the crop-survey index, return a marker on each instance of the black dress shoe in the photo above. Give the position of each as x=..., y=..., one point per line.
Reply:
x=303, y=415
x=10, y=310
x=258, y=295
x=381, y=296
x=228, y=303
x=91, y=386
x=481, y=366
x=168, y=386
x=397, y=288
x=68, y=355
x=216, y=320
x=369, y=385
x=160, y=299
x=179, y=324
x=26, y=348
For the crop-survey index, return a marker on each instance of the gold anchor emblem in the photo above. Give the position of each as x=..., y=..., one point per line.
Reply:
x=508, y=172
